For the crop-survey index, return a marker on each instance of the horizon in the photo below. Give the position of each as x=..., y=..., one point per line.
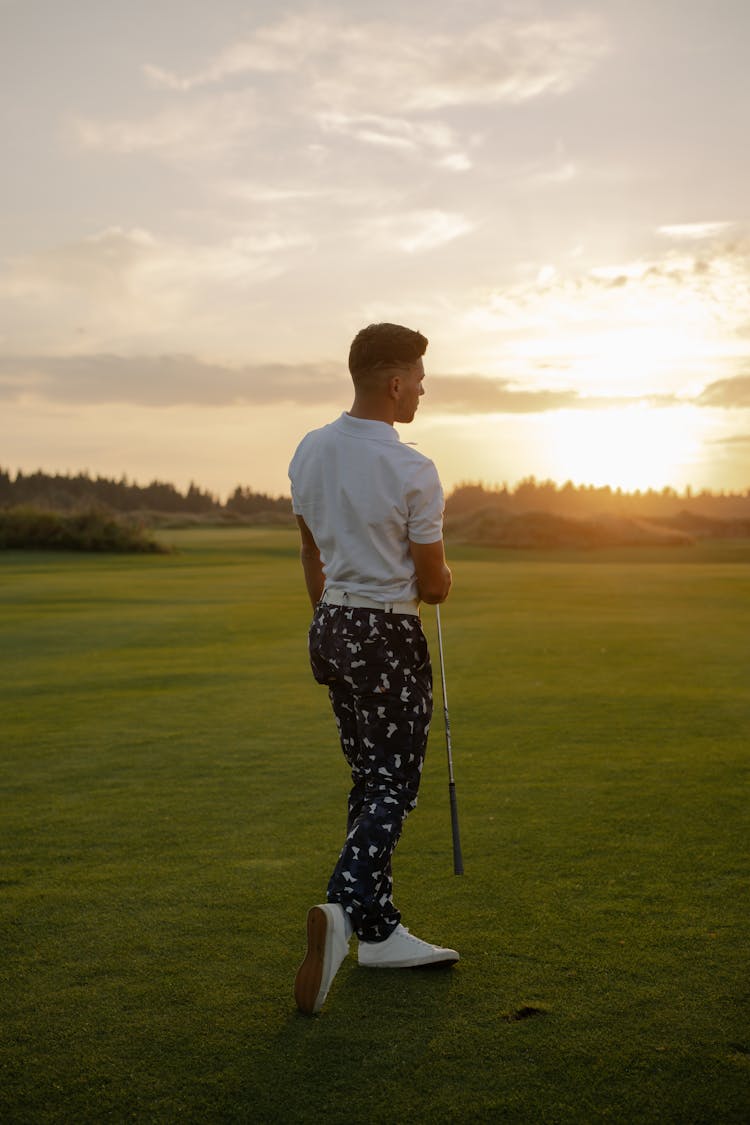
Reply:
x=197, y=226
x=512, y=488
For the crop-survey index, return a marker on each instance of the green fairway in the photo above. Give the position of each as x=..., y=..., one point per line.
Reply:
x=173, y=798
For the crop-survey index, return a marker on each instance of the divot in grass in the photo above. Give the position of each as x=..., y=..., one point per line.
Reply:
x=525, y=1013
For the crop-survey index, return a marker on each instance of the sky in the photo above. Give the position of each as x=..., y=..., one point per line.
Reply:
x=201, y=204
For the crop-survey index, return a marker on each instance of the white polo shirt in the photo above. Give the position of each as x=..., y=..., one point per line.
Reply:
x=364, y=495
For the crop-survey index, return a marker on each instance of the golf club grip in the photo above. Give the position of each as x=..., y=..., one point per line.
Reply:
x=458, y=859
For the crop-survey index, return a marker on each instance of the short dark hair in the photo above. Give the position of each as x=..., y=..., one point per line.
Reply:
x=379, y=345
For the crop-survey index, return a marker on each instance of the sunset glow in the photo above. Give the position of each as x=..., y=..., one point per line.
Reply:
x=629, y=448
x=557, y=199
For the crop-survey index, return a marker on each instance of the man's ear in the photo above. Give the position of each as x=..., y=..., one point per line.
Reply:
x=394, y=386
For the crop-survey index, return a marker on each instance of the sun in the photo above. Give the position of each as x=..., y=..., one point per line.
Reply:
x=633, y=447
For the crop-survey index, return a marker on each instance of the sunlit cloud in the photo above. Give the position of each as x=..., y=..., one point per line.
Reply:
x=503, y=60
x=183, y=131
x=417, y=231
x=304, y=73
x=269, y=193
x=509, y=61
x=626, y=326
x=697, y=231
x=455, y=161
x=317, y=194
x=671, y=324
x=730, y=394
x=280, y=47
x=741, y=441
x=398, y=133
x=124, y=285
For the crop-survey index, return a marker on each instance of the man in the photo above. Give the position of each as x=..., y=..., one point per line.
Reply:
x=370, y=510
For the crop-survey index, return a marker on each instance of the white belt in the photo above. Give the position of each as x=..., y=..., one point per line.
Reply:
x=356, y=601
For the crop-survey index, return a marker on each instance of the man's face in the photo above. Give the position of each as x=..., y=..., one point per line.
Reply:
x=410, y=390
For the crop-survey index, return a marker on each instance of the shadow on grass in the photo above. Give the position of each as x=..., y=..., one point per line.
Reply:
x=374, y=1029
x=420, y=995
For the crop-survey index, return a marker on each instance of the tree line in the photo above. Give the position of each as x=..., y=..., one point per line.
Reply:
x=572, y=501
x=67, y=492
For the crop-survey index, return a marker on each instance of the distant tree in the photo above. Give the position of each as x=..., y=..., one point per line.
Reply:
x=245, y=502
x=199, y=501
x=6, y=488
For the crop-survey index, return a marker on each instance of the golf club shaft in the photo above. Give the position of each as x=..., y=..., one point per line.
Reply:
x=458, y=862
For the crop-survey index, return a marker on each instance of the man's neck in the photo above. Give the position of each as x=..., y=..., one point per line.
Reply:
x=373, y=411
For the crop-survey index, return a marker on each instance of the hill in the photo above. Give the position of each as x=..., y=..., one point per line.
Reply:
x=545, y=516
x=491, y=528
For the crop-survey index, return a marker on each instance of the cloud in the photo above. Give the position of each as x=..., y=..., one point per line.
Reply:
x=168, y=380
x=476, y=394
x=201, y=129
x=415, y=232
x=318, y=74
x=739, y=441
x=99, y=263
x=505, y=60
x=398, y=133
x=171, y=380
x=694, y=231
x=697, y=295
x=251, y=192
x=508, y=61
x=279, y=48
x=129, y=284
x=729, y=394
x=455, y=162
x=672, y=322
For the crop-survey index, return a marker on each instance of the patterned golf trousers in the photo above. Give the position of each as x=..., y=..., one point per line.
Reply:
x=376, y=666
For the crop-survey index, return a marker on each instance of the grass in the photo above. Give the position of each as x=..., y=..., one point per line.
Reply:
x=173, y=800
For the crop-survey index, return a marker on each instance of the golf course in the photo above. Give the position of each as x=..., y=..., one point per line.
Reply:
x=173, y=799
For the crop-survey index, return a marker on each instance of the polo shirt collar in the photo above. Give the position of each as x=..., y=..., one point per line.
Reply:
x=366, y=428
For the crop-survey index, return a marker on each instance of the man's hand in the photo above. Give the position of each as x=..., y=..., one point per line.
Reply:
x=311, y=563
x=433, y=576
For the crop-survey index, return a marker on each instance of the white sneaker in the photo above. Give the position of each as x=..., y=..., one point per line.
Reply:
x=401, y=950
x=327, y=946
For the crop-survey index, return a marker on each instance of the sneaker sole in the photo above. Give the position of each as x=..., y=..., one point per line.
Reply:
x=307, y=983
x=426, y=963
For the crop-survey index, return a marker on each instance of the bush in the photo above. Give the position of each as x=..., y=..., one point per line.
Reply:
x=91, y=530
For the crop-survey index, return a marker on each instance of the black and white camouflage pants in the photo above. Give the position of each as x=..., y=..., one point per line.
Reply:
x=376, y=666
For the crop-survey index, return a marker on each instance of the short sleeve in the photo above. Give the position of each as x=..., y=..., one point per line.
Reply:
x=425, y=503
x=293, y=475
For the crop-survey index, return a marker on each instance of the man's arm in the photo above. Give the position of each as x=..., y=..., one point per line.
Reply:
x=311, y=563
x=433, y=575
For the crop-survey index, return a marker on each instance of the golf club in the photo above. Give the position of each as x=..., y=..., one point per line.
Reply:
x=458, y=862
